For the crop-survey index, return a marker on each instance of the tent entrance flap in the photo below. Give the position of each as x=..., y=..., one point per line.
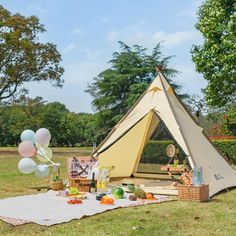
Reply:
x=123, y=154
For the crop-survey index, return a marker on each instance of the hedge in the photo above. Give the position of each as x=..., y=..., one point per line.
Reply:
x=228, y=148
x=155, y=151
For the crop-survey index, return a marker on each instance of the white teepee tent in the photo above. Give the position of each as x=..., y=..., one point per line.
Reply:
x=123, y=147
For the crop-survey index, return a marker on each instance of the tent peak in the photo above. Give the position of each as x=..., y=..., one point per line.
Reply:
x=160, y=68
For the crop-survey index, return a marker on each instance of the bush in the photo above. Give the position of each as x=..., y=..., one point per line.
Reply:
x=155, y=151
x=227, y=148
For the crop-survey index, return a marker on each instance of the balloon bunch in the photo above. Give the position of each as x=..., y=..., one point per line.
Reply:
x=35, y=144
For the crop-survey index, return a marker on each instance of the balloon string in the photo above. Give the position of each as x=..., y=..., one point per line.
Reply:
x=54, y=164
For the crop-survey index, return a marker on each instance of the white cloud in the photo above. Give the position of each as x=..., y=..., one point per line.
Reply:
x=173, y=39
x=78, y=32
x=73, y=94
x=134, y=34
x=91, y=54
x=69, y=48
x=191, y=81
x=142, y=22
x=81, y=73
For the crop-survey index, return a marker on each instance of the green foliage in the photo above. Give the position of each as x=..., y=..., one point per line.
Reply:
x=20, y=115
x=116, y=89
x=228, y=148
x=155, y=151
x=22, y=57
x=67, y=128
x=229, y=126
x=53, y=118
x=216, y=58
x=56, y=178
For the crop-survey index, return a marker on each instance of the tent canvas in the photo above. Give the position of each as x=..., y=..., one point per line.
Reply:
x=123, y=146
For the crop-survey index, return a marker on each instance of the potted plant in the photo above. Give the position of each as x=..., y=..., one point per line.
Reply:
x=56, y=183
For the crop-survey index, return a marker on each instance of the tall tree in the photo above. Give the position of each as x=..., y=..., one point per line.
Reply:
x=22, y=57
x=53, y=117
x=116, y=89
x=216, y=57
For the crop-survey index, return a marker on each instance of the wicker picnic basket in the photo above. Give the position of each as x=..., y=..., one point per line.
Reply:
x=193, y=193
x=82, y=184
x=56, y=185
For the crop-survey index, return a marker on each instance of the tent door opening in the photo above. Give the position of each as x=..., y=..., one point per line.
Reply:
x=153, y=156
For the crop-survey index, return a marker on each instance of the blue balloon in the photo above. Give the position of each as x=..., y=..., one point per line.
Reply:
x=28, y=135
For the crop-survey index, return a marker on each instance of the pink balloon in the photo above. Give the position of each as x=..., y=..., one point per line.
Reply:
x=26, y=149
x=42, y=136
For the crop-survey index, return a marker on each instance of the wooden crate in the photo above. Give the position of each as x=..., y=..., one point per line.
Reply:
x=193, y=193
x=82, y=184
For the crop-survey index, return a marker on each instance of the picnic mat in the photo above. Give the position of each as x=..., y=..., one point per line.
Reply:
x=49, y=208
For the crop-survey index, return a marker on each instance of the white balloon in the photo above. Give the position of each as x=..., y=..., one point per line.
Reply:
x=26, y=165
x=42, y=136
x=44, y=152
x=41, y=170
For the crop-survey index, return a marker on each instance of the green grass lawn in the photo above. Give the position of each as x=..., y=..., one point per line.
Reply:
x=216, y=217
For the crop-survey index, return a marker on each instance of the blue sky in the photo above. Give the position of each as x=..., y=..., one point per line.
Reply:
x=87, y=31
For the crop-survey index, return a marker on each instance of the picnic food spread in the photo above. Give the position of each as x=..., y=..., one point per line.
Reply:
x=76, y=197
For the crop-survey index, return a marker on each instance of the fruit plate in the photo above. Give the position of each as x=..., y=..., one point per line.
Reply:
x=74, y=201
x=80, y=196
x=108, y=204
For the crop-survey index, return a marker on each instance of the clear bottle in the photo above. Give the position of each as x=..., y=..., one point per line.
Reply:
x=195, y=176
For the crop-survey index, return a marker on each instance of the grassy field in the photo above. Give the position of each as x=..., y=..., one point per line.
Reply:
x=216, y=217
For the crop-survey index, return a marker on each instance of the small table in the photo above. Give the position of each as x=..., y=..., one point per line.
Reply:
x=175, y=169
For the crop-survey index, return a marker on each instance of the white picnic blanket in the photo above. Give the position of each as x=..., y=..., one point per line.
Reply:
x=49, y=208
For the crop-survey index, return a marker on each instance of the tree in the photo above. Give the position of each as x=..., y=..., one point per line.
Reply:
x=23, y=113
x=216, y=58
x=197, y=105
x=67, y=128
x=229, y=124
x=53, y=117
x=22, y=57
x=116, y=89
